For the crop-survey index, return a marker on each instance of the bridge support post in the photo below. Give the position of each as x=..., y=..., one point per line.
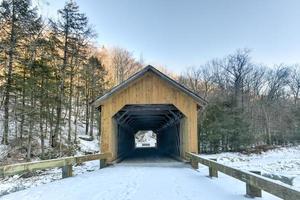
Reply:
x=212, y=171
x=102, y=163
x=67, y=171
x=253, y=191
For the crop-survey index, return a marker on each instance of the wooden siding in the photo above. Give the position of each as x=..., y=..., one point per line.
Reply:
x=149, y=89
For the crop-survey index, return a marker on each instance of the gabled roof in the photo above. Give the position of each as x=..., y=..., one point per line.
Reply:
x=200, y=100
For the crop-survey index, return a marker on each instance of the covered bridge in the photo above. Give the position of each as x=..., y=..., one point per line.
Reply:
x=149, y=100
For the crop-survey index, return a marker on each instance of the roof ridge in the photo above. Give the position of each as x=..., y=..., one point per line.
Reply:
x=138, y=74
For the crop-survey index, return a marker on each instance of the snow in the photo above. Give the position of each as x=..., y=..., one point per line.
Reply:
x=88, y=146
x=4, y=149
x=17, y=182
x=282, y=164
x=145, y=139
x=124, y=181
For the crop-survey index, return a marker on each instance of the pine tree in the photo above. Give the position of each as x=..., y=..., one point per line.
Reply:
x=71, y=27
x=93, y=74
x=18, y=18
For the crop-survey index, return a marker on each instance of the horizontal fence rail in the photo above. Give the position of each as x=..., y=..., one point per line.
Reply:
x=254, y=182
x=66, y=163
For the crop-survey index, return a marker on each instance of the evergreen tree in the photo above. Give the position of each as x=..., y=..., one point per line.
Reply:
x=18, y=19
x=71, y=27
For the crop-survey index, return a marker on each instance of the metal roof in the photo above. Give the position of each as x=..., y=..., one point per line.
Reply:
x=200, y=100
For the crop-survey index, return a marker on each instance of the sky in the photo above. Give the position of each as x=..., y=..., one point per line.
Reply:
x=183, y=33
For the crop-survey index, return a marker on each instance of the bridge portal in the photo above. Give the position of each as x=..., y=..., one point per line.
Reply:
x=149, y=100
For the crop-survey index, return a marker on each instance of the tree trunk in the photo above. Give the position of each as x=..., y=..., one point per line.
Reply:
x=87, y=118
x=9, y=76
x=28, y=157
x=58, y=118
x=86, y=108
x=70, y=107
x=61, y=89
x=76, y=115
x=51, y=113
x=92, y=123
x=41, y=120
x=23, y=106
x=267, y=126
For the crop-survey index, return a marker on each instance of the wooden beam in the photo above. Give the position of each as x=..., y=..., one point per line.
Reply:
x=171, y=121
x=122, y=115
x=47, y=164
x=147, y=107
x=125, y=118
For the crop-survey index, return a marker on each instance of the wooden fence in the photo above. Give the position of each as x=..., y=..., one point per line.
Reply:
x=65, y=163
x=254, y=182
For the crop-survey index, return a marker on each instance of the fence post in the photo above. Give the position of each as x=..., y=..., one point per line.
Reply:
x=212, y=171
x=67, y=171
x=102, y=163
x=1, y=172
x=194, y=163
x=252, y=191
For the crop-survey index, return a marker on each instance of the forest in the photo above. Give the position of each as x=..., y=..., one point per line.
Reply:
x=51, y=69
x=250, y=105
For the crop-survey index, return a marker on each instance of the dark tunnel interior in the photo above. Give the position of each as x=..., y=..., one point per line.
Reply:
x=162, y=119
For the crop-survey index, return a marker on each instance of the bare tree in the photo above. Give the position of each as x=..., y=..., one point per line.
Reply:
x=256, y=80
x=238, y=66
x=123, y=64
x=277, y=80
x=199, y=79
x=295, y=83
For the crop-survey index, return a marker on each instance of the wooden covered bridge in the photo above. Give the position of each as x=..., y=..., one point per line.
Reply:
x=149, y=100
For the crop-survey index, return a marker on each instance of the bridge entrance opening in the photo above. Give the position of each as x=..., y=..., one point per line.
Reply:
x=145, y=139
x=162, y=122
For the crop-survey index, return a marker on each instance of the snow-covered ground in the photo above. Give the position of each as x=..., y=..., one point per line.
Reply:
x=124, y=181
x=19, y=182
x=159, y=180
x=282, y=164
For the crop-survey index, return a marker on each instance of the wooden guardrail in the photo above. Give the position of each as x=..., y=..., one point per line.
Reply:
x=254, y=182
x=66, y=163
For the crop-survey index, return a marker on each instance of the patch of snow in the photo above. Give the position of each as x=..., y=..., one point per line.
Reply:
x=140, y=182
x=88, y=146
